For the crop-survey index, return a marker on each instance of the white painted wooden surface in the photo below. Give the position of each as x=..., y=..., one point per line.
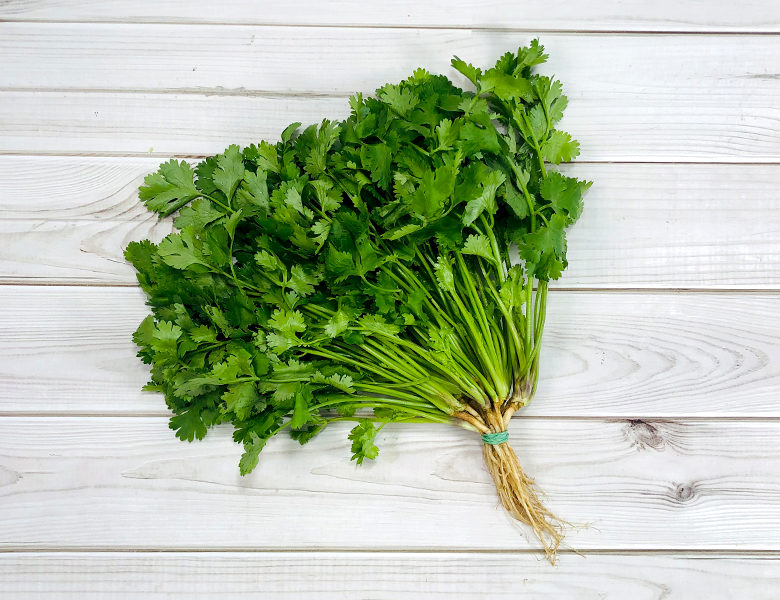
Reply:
x=633, y=98
x=529, y=15
x=657, y=417
x=408, y=575
x=126, y=482
x=649, y=225
x=606, y=354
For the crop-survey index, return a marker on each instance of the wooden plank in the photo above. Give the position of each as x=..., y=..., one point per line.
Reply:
x=385, y=576
x=717, y=103
x=68, y=350
x=114, y=123
x=127, y=483
x=45, y=251
x=340, y=61
x=610, y=15
x=645, y=225
x=621, y=128
x=57, y=188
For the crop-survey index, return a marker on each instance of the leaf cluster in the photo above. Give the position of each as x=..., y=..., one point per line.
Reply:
x=363, y=269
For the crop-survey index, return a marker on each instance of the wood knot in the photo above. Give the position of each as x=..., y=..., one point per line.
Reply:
x=8, y=477
x=644, y=435
x=684, y=492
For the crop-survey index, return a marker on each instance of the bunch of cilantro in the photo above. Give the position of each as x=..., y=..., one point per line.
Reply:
x=391, y=267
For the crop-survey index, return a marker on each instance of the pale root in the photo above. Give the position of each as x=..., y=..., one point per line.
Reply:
x=516, y=490
x=518, y=496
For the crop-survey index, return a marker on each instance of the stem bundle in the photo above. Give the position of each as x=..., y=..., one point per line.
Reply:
x=361, y=270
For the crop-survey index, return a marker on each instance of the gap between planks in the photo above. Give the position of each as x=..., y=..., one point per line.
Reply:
x=585, y=290
x=693, y=552
x=635, y=418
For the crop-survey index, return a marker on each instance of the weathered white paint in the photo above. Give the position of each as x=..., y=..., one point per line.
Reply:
x=557, y=15
x=68, y=219
x=386, y=576
x=126, y=482
x=68, y=350
x=79, y=491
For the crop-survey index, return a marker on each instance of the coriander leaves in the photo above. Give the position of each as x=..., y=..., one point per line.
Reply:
x=360, y=270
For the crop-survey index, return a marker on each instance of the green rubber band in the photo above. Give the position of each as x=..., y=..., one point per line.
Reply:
x=494, y=439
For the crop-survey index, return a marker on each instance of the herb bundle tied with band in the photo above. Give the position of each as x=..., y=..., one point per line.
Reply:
x=392, y=267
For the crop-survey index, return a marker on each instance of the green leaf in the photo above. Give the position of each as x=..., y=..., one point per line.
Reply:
x=340, y=264
x=254, y=190
x=531, y=55
x=538, y=122
x=507, y=86
x=376, y=325
x=266, y=157
x=444, y=275
x=339, y=381
x=404, y=230
x=559, y=147
x=144, y=334
x=516, y=201
x=376, y=158
x=293, y=198
x=165, y=336
x=203, y=334
x=363, y=436
x=198, y=214
x=170, y=188
x=447, y=133
x=512, y=290
x=229, y=171
x=240, y=399
x=327, y=196
x=301, y=414
x=563, y=193
x=302, y=282
x=269, y=261
x=236, y=366
x=474, y=139
x=218, y=318
x=317, y=142
x=189, y=425
x=289, y=132
x=401, y=100
x=478, y=245
x=337, y=324
x=287, y=321
x=232, y=223
x=252, y=448
x=545, y=249
x=321, y=230
x=471, y=72
x=179, y=251
x=195, y=386
x=486, y=201
x=550, y=94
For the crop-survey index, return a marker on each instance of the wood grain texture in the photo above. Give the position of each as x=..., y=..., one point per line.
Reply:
x=68, y=219
x=620, y=130
x=68, y=350
x=57, y=188
x=385, y=576
x=123, y=483
x=605, y=15
x=633, y=98
x=684, y=69
x=656, y=420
